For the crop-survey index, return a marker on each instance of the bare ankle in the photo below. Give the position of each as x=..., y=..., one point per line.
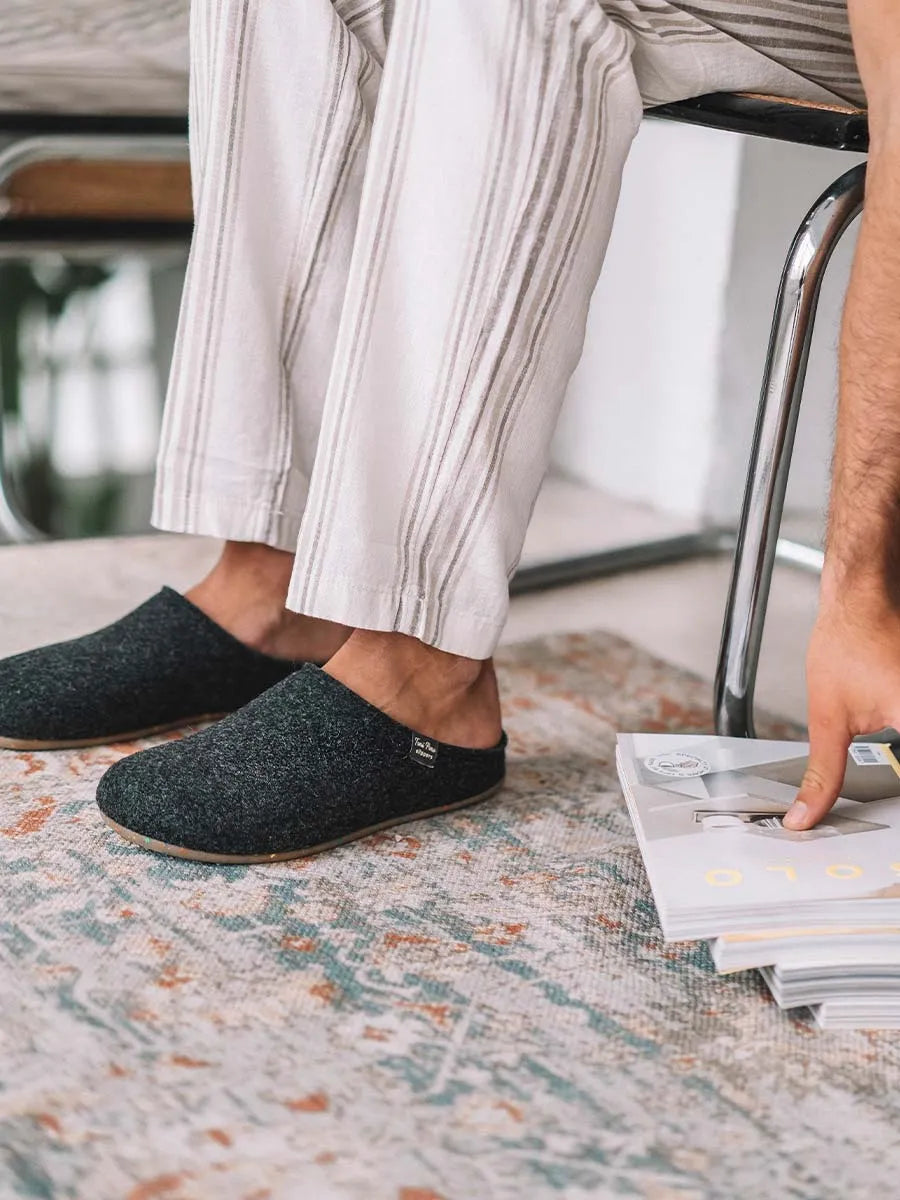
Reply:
x=245, y=593
x=251, y=567
x=446, y=696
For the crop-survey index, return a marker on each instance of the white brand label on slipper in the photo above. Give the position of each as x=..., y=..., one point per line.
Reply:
x=423, y=751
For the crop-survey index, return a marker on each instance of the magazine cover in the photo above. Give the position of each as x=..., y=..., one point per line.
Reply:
x=707, y=813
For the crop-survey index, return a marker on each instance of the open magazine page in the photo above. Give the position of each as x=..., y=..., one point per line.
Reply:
x=707, y=813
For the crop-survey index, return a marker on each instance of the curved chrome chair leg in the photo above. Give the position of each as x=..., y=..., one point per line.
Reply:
x=773, y=441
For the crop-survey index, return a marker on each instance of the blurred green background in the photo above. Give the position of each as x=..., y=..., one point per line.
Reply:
x=84, y=355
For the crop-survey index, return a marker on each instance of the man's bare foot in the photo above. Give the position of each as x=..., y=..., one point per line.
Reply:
x=245, y=594
x=444, y=696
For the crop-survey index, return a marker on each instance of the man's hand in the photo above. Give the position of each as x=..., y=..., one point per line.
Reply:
x=853, y=679
x=853, y=669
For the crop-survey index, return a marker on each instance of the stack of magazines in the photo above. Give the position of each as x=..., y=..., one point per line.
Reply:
x=818, y=912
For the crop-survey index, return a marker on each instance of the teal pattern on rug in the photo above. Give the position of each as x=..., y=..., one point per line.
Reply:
x=478, y=1006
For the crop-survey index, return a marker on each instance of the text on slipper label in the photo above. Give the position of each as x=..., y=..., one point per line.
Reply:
x=423, y=751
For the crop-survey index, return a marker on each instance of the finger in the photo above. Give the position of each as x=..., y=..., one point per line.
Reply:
x=823, y=778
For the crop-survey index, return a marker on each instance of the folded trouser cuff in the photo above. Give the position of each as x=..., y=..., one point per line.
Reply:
x=242, y=505
x=348, y=601
x=230, y=501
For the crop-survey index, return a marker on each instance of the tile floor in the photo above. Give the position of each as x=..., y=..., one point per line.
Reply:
x=65, y=588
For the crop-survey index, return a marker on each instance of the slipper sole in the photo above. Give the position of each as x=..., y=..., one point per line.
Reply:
x=108, y=739
x=147, y=843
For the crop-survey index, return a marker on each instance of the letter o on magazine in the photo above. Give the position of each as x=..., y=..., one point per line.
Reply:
x=723, y=877
x=844, y=871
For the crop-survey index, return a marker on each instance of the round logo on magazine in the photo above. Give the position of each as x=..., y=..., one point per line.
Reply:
x=678, y=765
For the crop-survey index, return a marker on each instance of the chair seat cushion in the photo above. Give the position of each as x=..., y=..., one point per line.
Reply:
x=94, y=56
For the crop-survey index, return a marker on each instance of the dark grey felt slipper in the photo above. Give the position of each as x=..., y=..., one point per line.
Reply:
x=162, y=666
x=306, y=766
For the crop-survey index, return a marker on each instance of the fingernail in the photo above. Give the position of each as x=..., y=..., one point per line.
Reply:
x=795, y=816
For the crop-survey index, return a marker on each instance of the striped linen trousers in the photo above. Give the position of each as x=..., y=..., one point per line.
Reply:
x=402, y=209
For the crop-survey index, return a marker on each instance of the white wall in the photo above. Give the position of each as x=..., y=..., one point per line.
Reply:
x=661, y=407
x=641, y=404
x=778, y=184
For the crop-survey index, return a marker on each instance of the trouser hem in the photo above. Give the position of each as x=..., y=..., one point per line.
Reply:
x=362, y=605
x=233, y=512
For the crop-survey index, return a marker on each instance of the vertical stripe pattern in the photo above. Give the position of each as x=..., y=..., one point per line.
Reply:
x=403, y=207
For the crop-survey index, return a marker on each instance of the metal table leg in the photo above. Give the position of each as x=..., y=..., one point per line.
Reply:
x=773, y=441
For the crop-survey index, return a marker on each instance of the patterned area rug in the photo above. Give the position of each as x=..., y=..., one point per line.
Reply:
x=471, y=1008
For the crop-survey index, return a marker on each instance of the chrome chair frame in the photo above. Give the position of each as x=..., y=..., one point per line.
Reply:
x=756, y=543
x=773, y=442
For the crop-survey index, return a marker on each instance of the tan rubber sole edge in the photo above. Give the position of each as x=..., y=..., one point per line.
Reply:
x=147, y=843
x=107, y=739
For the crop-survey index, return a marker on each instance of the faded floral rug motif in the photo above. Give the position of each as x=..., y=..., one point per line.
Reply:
x=475, y=1007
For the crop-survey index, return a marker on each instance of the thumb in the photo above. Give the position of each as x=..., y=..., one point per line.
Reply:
x=824, y=775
